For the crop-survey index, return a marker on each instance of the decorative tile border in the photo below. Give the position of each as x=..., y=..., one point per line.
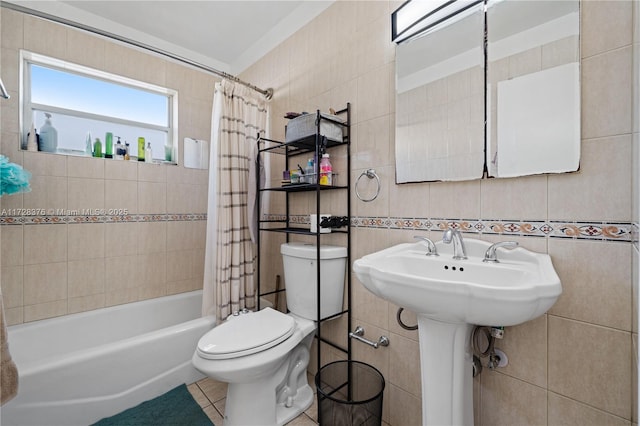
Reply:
x=604, y=231
x=600, y=231
x=97, y=218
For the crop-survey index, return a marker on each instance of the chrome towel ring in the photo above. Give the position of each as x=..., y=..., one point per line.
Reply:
x=370, y=173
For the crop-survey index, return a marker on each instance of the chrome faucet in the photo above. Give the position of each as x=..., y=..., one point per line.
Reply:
x=459, y=252
x=431, y=248
x=492, y=256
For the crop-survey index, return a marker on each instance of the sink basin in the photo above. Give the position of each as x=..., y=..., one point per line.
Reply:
x=521, y=287
x=448, y=297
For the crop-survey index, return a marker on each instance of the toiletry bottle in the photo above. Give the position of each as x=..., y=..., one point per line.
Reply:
x=126, y=151
x=141, y=149
x=168, y=151
x=32, y=143
x=148, y=154
x=108, y=145
x=48, y=136
x=308, y=172
x=119, y=150
x=88, y=145
x=326, y=170
x=97, y=148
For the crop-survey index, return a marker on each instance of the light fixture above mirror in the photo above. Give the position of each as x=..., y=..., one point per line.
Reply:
x=419, y=17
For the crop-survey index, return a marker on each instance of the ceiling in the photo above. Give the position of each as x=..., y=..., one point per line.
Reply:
x=226, y=35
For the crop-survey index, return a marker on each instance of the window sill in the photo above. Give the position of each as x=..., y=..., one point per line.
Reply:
x=76, y=153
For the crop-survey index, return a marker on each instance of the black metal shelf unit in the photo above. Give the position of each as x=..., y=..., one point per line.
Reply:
x=310, y=144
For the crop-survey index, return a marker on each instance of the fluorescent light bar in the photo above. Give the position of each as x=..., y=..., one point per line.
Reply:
x=416, y=17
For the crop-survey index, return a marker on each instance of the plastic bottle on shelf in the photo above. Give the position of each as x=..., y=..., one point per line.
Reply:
x=108, y=145
x=32, y=141
x=309, y=172
x=326, y=171
x=148, y=154
x=48, y=136
x=141, y=148
x=168, y=152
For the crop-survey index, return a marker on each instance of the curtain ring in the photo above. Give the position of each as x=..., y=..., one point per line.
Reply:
x=370, y=173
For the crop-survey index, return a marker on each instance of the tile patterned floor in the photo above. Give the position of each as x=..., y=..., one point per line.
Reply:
x=211, y=396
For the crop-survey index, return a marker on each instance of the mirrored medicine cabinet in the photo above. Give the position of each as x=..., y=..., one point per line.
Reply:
x=510, y=107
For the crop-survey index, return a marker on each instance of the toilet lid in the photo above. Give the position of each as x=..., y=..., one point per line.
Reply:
x=246, y=334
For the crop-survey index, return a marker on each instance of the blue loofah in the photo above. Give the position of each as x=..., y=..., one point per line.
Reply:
x=13, y=178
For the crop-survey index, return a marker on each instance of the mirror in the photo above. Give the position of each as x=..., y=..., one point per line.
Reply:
x=533, y=87
x=531, y=98
x=440, y=101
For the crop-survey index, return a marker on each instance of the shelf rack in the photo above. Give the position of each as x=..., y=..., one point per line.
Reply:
x=310, y=144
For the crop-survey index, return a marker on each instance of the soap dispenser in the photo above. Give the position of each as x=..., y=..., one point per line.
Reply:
x=119, y=150
x=48, y=136
x=148, y=153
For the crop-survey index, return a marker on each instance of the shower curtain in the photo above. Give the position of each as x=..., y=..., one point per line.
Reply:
x=239, y=114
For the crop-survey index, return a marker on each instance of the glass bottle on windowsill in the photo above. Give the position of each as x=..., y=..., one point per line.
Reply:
x=97, y=148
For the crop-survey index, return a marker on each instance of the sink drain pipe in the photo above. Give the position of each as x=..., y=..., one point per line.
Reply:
x=401, y=323
x=497, y=358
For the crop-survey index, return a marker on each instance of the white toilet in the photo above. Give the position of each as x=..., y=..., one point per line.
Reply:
x=264, y=355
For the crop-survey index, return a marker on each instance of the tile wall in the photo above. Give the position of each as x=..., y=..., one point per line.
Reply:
x=112, y=232
x=575, y=365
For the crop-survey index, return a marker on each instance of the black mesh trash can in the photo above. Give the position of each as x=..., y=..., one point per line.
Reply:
x=349, y=394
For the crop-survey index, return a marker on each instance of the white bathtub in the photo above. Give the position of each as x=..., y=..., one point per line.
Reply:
x=77, y=369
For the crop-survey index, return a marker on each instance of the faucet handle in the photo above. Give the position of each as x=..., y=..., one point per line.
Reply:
x=492, y=256
x=431, y=247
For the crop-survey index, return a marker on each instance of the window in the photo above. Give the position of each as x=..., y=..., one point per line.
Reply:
x=82, y=101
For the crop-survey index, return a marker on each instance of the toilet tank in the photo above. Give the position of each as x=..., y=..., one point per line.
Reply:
x=301, y=278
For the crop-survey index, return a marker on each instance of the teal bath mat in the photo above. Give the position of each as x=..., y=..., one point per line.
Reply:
x=174, y=408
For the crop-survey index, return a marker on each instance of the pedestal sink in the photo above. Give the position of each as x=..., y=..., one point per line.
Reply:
x=450, y=297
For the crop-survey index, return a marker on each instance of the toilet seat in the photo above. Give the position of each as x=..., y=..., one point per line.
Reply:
x=246, y=335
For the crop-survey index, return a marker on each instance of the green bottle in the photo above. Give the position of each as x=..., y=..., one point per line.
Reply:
x=141, y=148
x=97, y=148
x=108, y=145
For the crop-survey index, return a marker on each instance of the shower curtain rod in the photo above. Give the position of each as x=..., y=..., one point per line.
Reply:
x=268, y=93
